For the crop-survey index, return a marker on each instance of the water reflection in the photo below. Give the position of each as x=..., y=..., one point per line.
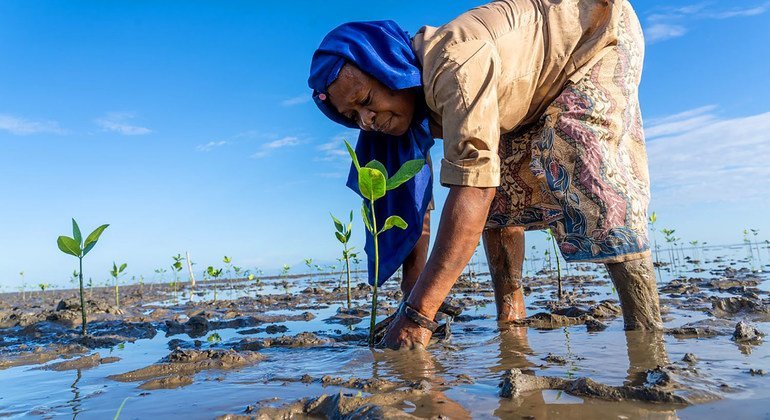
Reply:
x=420, y=366
x=646, y=350
x=75, y=401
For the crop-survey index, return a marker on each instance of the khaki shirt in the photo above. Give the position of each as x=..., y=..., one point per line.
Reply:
x=497, y=67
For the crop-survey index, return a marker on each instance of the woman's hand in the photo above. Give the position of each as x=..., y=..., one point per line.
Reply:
x=403, y=333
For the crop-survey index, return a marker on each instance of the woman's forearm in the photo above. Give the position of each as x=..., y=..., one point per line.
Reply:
x=462, y=222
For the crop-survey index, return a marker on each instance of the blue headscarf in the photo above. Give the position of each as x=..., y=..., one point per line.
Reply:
x=384, y=51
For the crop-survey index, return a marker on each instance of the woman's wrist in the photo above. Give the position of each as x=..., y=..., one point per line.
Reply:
x=417, y=317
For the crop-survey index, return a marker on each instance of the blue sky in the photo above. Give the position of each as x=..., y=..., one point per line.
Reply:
x=187, y=126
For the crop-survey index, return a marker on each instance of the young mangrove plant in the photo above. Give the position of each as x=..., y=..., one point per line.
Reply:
x=76, y=247
x=115, y=273
x=755, y=232
x=651, y=220
x=343, y=235
x=670, y=239
x=176, y=268
x=23, y=287
x=552, y=239
x=42, y=287
x=214, y=273
x=373, y=184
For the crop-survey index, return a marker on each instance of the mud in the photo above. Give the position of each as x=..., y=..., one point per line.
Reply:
x=300, y=340
x=81, y=363
x=294, y=337
x=515, y=382
x=172, y=370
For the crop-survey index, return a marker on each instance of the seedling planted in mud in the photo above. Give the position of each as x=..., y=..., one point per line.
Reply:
x=176, y=268
x=23, y=287
x=551, y=238
x=343, y=235
x=374, y=183
x=115, y=273
x=76, y=247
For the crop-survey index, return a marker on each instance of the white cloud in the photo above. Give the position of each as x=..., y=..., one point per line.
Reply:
x=740, y=12
x=696, y=157
x=662, y=31
x=678, y=123
x=288, y=141
x=670, y=22
x=297, y=100
x=22, y=126
x=210, y=146
x=334, y=149
x=118, y=122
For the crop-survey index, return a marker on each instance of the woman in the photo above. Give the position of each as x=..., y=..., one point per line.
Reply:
x=536, y=101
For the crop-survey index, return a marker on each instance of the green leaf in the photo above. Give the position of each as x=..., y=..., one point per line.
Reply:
x=68, y=245
x=406, y=172
x=365, y=216
x=353, y=155
x=123, y=267
x=347, y=236
x=376, y=164
x=92, y=238
x=351, y=217
x=337, y=224
x=393, y=221
x=371, y=183
x=340, y=237
x=76, y=233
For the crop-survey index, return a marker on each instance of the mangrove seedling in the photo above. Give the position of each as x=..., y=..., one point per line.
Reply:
x=76, y=247
x=43, y=286
x=115, y=273
x=343, y=235
x=373, y=184
x=214, y=274
x=176, y=268
x=23, y=287
x=309, y=265
x=552, y=239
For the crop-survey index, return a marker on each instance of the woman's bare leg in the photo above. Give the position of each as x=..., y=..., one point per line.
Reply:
x=415, y=262
x=638, y=291
x=505, y=256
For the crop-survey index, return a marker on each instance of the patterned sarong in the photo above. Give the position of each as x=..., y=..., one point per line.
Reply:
x=582, y=169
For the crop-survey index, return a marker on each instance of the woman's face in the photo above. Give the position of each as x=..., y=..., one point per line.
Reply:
x=370, y=104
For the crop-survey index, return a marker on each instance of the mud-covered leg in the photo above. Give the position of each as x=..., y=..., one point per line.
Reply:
x=505, y=254
x=635, y=282
x=415, y=261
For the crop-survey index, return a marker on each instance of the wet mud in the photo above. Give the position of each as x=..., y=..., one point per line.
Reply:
x=290, y=347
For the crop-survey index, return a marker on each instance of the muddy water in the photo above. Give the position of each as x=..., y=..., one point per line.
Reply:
x=456, y=378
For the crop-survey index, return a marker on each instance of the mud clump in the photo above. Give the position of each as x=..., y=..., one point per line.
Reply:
x=728, y=307
x=554, y=359
x=747, y=333
x=168, y=382
x=80, y=363
x=305, y=339
x=515, y=382
x=339, y=406
x=186, y=362
x=548, y=321
x=40, y=355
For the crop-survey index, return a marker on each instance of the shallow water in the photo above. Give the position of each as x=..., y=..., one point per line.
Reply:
x=464, y=372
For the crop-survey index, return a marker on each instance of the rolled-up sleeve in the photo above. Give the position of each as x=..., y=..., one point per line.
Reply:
x=465, y=93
